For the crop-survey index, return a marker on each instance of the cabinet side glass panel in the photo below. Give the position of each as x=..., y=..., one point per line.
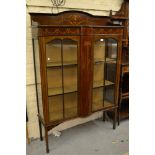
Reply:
x=38, y=78
x=110, y=72
x=111, y=51
x=70, y=49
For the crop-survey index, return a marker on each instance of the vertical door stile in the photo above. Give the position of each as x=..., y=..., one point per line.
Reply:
x=106, y=51
x=85, y=72
x=118, y=68
x=62, y=65
x=42, y=54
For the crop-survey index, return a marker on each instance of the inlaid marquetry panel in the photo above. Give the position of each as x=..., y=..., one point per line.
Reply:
x=61, y=31
x=107, y=30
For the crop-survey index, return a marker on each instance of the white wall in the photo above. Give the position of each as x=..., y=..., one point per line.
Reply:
x=96, y=7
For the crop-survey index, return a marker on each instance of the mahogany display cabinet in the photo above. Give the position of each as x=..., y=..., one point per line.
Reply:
x=77, y=59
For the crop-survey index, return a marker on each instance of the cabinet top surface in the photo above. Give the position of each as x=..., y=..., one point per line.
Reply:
x=71, y=19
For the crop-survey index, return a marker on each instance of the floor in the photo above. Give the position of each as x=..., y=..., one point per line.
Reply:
x=92, y=138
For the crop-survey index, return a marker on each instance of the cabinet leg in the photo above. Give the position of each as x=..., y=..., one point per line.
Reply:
x=40, y=129
x=118, y=114
x=46, y=140
x=114, y=119
x=104, y=116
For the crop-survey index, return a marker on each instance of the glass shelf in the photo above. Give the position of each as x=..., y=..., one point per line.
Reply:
x=59, y=64
x=101, y=60
x=101, y=83
x=55, y=91
x=59, y=91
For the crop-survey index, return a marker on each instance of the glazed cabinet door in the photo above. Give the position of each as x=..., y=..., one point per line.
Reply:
x=104, y=72
x=62, y=76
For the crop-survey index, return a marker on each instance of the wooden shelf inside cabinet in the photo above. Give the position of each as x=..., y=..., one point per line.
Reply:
x=59, y=64
x=101, y=60
x=59, y=91
x=55, y=91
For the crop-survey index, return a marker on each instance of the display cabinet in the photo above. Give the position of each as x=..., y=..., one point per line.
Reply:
x=77, y=59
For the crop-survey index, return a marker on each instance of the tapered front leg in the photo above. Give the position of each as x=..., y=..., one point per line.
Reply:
x=46, y=140
x=104, y=116
x=114, y=119
x=40, y=129
x=118, y=114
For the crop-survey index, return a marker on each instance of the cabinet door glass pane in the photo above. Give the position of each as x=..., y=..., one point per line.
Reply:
x=54, y=79
x=111, y=52
x=98, y=74
x=53, y=53
x=70, y=101
x=99, y=50
x=61, y=57
x=69, y=52
x=70, y=77
x=56, y=108
x=98, y=98
x=54, y=72
x=109, y=95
